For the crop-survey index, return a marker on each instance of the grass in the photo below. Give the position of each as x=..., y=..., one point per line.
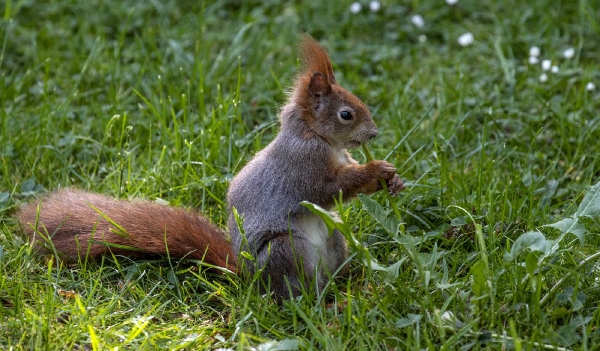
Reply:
x=167, y=100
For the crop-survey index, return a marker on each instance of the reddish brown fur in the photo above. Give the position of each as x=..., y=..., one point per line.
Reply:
x=314, y=60
x=77, y=229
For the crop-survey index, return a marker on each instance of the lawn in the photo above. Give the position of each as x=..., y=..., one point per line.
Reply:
x=496, y=135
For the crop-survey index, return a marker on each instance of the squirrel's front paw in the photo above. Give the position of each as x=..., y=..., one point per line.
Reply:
x=386, y=170
x=395, y=185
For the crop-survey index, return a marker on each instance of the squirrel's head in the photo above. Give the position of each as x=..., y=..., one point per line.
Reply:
x=331, y=111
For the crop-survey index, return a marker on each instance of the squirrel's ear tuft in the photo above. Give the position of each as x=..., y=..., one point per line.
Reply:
x=315, y=60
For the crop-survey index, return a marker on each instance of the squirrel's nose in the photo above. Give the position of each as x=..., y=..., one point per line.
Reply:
x=373, y=133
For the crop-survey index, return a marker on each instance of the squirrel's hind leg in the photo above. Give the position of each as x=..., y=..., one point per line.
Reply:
x=289, y=265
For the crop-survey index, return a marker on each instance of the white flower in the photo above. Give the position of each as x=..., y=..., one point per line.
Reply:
x=546, y=65
x=554, y=69
x=422, y=38
x=590, y=86
x=533, y=60
x=451, y=2
x=569, y=53
x=375, y=6
x=534, y=51
x=355, y=7
x=418, y=21
x=543, y=78
x=465, y=39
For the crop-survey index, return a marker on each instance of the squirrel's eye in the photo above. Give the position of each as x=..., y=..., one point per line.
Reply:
x=345, y=115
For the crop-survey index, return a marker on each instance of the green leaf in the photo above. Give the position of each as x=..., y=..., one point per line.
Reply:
x=479, y=278
x=392, y=271
x=409, y=320
x=172, y=277
x=570, y=225
x=4, y=196
x=28, y=186
x=589, y=207
x=580, y=321
x=568, y=335
x=247, y=255
x=531, y=263
x=388, y=222
x=458, y=221
x=331, y=221
x=533, y=241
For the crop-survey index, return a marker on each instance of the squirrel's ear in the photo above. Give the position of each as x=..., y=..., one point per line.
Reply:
x=318, y=84
x=315, y=59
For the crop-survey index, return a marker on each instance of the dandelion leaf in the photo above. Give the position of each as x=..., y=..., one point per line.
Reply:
x=389, y=222
x=589, y=207
x=392, y=271
x=532, y=241
x=331, y=221
x=570, y=225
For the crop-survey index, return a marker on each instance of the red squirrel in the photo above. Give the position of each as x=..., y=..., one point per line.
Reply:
x=291, y=247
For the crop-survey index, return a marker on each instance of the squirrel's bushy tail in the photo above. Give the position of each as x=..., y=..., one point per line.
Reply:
x=84, y=224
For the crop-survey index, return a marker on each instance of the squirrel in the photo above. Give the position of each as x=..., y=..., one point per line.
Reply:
x=290, y=246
